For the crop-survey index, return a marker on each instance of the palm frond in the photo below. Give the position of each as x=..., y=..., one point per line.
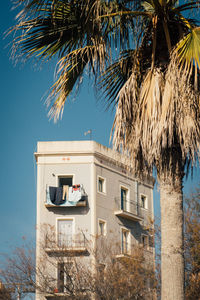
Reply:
x=152, y=81
x=152, y=119
x=115, y=76
x=148, y=6
x=125, y=114
x=188, y=49
x=179, y=120
x=58, y=28
x=70, y=70
x=121, y=22
x=129, y=13
x=188, y=6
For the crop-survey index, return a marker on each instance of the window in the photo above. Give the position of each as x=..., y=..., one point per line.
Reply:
x=101, y=270
x=102, y=227
x=145, y=241
x=124, y=198
x=125, y=241
x=144, y=201
x=65, y=233
x=65, y=277
x=101, y=185
x=65, y=180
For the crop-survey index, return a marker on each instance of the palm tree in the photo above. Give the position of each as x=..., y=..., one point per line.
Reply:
x=154, y=82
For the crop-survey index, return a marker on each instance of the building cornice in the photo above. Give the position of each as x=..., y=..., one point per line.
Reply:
x=100, y=152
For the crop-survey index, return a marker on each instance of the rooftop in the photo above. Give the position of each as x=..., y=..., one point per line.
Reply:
x=55, y=148
x=77, y=148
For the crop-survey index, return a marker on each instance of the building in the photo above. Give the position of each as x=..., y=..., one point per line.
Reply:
x=106, y=200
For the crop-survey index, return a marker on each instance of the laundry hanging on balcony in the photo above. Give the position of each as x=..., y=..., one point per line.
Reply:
x=68, y=195
x=56, y=194
x=76, y=192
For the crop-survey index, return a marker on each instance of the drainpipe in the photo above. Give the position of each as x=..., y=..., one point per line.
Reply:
x=136, y=195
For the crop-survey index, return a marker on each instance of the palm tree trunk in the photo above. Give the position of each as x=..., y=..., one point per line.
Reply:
x=172, y=257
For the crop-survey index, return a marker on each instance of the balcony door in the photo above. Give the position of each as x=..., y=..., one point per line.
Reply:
x=65, y=180
x=123, y=199
x=124, y=239
x=65, y=233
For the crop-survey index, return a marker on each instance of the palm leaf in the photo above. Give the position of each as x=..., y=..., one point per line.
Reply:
x=116, y=75
x=157, y=106
x=60, y=28
x=70, y=71
x=188, y=48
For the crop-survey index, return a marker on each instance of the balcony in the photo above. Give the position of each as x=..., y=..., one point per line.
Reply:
x=136, y=251
x=76, y=197
x=68, y=245
x=128, y=209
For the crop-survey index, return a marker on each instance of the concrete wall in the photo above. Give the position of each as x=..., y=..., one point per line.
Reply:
x=48, y=177
x=116, y=177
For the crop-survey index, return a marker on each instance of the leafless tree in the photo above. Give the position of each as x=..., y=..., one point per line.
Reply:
x=192, y=245
x=5, y=293
x=17, y=272
x=61, y=274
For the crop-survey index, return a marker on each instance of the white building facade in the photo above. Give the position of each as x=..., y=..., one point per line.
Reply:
x=85, y=190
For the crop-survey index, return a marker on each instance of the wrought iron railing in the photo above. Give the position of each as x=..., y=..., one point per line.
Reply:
x=128, y=248
x=129, y=206
x=66, y=241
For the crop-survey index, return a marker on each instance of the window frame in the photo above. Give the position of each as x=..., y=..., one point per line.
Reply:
x=101, y=268
x=103, y=192
x=127, y=201
x=146, y=201
x=59, y=283
x=58, y=176
x=73, y=228
x=147, y=244
x=128, y=250
x=105, y=227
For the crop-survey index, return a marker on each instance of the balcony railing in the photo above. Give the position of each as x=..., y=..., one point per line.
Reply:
x=76, y=243
x=131, y=250
x=129, y=209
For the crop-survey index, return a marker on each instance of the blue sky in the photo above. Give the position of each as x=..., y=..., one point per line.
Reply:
x=24, y=121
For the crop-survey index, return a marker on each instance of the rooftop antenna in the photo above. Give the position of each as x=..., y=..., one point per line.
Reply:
x=89, y=132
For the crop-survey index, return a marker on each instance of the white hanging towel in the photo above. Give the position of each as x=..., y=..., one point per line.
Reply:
x=76, y=192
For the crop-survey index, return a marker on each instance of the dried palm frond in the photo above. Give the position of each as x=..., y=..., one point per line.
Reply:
x=127, y=105
x=150, y=107
x=180, y=116
x=158, y=123
x=137, y=114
